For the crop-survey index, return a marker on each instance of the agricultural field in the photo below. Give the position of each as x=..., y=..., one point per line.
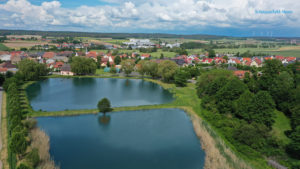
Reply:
x=24, y=44
x=153, y=54
x=293, y=51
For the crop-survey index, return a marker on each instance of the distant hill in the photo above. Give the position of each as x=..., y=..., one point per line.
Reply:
x=133, y=35
x=105, y=35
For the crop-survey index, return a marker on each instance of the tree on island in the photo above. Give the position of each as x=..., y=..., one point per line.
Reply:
x=104, y=106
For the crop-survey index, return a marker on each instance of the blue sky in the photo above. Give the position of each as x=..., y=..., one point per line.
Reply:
x=215, y=17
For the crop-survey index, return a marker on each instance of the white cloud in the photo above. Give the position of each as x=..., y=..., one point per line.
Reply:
x=153, y=14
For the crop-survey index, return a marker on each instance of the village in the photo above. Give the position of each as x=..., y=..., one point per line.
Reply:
x=58, y=62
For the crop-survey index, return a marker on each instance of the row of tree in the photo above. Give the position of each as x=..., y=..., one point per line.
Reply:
x=18, y=128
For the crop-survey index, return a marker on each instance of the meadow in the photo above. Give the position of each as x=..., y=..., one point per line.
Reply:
x=3, y=47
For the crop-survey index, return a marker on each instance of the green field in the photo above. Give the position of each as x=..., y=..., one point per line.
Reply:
x=282, y=123
x=3, y=47
x=153, y=54
x=269, y=51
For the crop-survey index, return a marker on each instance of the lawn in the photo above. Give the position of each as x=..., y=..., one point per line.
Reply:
x=282, y=123
x=3, y=47
x=101, y=72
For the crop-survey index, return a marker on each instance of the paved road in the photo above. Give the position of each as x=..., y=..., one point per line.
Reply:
x=1, y=89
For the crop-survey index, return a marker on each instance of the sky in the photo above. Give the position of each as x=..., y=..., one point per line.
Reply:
x=271, y=18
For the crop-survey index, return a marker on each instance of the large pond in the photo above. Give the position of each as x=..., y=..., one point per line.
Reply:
x=148, y=139
x=56, y=94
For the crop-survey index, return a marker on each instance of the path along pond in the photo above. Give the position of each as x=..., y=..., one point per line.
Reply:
x=143, y=139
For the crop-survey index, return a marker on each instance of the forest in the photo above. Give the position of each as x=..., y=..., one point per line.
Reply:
x=244, y=110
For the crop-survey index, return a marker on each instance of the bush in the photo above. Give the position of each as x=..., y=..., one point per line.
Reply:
x=33, y=157
x=23, y=166
x=30, y=123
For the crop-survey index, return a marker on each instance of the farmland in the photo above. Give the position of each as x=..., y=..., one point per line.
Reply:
x=18, y=44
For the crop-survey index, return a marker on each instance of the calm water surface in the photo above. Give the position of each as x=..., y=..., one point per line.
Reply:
x=56, y=94
x=149, y=139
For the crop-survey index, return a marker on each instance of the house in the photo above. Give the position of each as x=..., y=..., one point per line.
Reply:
x=3, y=70
x=49, y=55
x=145, y=55
x=61, y=58
x=256, y=62
x=92, y=54
x=5, y=57
x=234, y=61
x=66, y=70
x=58, y=65
x=240, y=73
x=219, y=60
x=104, y=62
x=15, y=58
x=50, y=61
x=179, y=61
x=207, y=60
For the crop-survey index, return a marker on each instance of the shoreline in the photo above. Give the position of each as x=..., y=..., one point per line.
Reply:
x=217, y=153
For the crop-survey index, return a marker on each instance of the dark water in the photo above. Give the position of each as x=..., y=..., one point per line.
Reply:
x=149, y=139
x=56, y=94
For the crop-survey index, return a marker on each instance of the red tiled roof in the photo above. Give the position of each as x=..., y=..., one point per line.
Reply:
x=240, y=73
x=58, y=64
x=92, y=54
x=3, y=69
x=247, y=59
x=291, y=58
x=146, y=55
x=279, y=57
x=258, y=61
x=48, y=55
x=268, y=58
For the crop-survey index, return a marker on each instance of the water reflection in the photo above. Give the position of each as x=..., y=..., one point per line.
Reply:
x=104, y=119
x=83, y=81
x=34, y=90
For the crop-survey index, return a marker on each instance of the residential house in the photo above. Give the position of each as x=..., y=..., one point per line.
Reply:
x=256, y=62
x=58, y=65
x=49, y=55
x=5, y=57
x=49, y=61
x=66, y=70
x=61, y=58
x=240, y=73
x=207, y=60
x=145, y=56
x=15, y=58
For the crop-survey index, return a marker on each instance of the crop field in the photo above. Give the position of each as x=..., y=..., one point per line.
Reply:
x=24, y=44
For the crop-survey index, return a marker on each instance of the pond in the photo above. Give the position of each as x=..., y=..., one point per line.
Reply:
x=144, y=139
x=58, y=94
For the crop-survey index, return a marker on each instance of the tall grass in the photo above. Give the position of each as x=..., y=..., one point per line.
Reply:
x=40, y=140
